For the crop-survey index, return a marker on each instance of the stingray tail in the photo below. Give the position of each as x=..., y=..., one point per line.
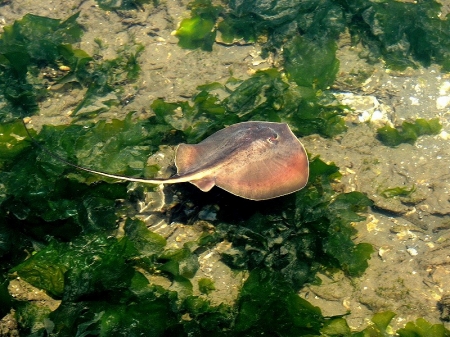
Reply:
x=115, y=176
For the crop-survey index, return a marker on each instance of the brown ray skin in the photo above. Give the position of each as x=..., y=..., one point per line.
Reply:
x=253, y=160
x=245, y=159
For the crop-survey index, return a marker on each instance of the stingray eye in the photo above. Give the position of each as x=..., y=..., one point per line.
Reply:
x=273, y=138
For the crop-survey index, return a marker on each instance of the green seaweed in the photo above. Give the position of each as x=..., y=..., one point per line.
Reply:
x=95, y=278
x=104, y=80
x=263, y=96
x=199, y=30
x=84, y=264
x=37, y=187
x=268, y=305
x=309, y=61
x=206, y=285
x=123, y=4
x=32, y=317
x=88, y=253
x=382, y=320
x=148, y=244
x=206, y=319
x=89, y=264
x=36, y=38
x=421, y=38
x=34, y=43
x=408, y=132
x=398, y=192
x=419, y=328
x=5, y=297
x=26, y=46
x=314, y=231
x=140, y=309
x=317, y=21
x=422, y=328
x=12, y=142
x=336, y=327
x=181, y=263
x=311, y=64
x=379, y=326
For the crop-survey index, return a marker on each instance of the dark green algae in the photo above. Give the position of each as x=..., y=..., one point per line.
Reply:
x=33, y=43
x=110, y=5
x=68, y=219
x=420, y=38
x=408, y=132
x=80, y=261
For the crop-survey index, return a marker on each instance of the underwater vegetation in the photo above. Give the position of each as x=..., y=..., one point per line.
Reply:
x=398, y=192
x=24, y=46
x=69, y=218
x=263, y=96
x=420, y=38
x=109, y=5
x=59, y=226
x=33, y=43
x=408, y=132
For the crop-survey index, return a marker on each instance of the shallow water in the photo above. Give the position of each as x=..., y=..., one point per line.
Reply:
x=408, y=273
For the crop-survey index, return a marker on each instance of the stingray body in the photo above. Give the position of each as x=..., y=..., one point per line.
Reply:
x=253, y=160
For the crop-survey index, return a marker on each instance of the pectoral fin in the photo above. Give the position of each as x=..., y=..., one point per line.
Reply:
x=204, y=184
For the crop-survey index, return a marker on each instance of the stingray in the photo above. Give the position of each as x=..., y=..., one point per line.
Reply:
x=253, y=160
